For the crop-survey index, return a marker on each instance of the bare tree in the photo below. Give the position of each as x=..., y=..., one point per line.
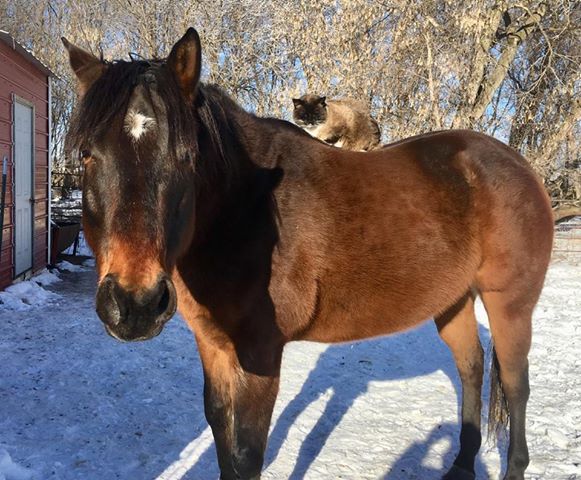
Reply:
x=508, y=68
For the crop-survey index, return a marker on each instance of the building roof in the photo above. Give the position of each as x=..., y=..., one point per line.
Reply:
x=25, y=52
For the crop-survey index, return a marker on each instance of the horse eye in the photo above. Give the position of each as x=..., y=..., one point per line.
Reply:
x=84, y=154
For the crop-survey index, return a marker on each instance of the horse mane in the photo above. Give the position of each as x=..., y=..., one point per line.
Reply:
x=211, y=118
x=218, y=115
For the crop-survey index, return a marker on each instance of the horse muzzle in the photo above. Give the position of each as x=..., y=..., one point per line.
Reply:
x=131, y=315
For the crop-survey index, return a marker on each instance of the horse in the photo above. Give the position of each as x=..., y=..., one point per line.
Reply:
x=261, y=235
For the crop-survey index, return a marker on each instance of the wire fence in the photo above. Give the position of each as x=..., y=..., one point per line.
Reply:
x=567, y=243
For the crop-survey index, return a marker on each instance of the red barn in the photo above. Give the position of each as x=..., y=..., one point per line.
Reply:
x=24, y=143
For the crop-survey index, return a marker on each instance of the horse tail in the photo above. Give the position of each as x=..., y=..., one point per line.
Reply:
x=497, y=406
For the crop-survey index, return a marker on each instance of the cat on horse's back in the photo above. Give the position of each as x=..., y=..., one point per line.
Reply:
x=344, y=123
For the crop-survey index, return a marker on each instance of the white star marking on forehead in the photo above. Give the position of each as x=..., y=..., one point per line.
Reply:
x=137, y=124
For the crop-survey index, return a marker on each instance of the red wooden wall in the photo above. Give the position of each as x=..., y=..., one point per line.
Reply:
x=18, y=76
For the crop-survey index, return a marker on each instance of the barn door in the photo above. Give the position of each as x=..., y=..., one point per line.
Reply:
x=23, y=162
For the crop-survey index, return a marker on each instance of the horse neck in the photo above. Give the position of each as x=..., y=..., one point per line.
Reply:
x=244, y=177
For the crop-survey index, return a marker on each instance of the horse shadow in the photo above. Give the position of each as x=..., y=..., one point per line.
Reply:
x=410, y=464
x=412, y=354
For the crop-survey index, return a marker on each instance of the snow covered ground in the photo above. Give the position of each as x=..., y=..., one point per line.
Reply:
x=82, y=247
x=76, y=404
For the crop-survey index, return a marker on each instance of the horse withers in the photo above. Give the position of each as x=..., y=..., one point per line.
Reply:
x=260, y=235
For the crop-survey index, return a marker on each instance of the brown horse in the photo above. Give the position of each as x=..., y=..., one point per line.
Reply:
x=261, y=235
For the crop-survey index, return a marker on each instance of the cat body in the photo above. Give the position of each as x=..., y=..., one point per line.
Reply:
x=344, y=123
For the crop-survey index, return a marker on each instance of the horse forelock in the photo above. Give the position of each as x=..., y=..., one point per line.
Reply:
x=133, y=98
x=141, y=101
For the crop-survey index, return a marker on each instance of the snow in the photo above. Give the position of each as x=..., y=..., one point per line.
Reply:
x=83, y=248
x=46, y=278
x=69, y=267
x=27, y=294
x=10, y=470
x=89, y=262
x=76, y=404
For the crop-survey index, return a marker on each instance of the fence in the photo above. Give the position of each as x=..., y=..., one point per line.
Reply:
x=64, y=182
x=568, y=239
x=66, y=187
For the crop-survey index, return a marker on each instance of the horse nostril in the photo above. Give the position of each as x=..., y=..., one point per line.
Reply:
x=135, y=310
x=164, y=300
x=109, y=308
x=166, y=305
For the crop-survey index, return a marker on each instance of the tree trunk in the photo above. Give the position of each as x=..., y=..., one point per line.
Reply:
x=515, y=34
x=557, y=137
x=478, y=65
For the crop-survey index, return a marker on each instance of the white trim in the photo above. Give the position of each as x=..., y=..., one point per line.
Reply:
x=49, y=220
x=25, y=52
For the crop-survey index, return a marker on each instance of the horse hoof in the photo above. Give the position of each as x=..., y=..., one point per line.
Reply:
x=457, y=473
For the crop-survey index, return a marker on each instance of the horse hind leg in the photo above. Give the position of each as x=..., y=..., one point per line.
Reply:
x=458, y=329
x=510, y=318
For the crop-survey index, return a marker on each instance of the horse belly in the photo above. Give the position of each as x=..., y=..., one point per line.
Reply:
x=366, y=309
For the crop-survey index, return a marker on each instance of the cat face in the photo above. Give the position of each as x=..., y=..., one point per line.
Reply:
x=310, y=110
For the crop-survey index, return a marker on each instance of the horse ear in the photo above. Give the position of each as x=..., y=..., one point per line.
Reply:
x=86, y=66
x=297, y=102
x=323, y=101
x=185, y=61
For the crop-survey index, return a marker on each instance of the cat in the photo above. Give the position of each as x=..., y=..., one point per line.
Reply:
x=344, y=123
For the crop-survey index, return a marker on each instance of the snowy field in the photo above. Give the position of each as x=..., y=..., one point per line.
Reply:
x=76, y=404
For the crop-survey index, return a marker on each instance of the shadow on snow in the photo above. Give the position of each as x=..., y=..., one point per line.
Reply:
x=416, y=353
x=131, y=416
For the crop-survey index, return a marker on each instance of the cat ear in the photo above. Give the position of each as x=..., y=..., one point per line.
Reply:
x=323, y=101
x=297, y=102
x=86, y=66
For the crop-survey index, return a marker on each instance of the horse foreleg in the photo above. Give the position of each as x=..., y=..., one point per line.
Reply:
x=254, y=399
x=241, y=384
x=459, y=330
x=218, y=380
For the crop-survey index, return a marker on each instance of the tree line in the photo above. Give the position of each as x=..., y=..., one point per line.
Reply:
x=507, y=68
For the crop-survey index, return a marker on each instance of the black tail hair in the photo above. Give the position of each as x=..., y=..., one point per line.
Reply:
x=498, y=415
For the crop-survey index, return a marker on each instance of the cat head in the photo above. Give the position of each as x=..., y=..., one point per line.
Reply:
x=310, y=110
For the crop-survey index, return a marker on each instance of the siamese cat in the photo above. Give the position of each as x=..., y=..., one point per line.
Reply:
x=345, y=123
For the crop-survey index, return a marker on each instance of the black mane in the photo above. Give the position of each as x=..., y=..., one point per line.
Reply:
x=107, y=98
x=210, y=118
